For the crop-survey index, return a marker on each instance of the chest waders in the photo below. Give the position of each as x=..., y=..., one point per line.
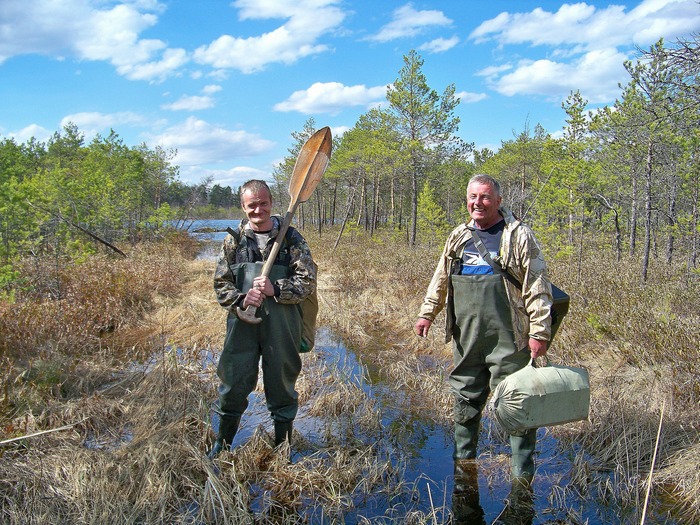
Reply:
x=484, y=353
x=274, y=341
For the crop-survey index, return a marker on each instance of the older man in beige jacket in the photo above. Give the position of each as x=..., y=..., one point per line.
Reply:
x=495, y=325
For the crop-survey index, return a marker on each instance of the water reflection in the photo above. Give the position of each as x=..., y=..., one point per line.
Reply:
x=211, y=233
x=466, y=507
x=210, y=230
x=422, y=451
x=520, y=506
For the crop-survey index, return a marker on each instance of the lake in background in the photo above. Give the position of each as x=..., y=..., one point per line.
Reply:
x=213, y=235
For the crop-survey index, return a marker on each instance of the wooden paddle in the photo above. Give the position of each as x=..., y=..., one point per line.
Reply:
x=309, y=168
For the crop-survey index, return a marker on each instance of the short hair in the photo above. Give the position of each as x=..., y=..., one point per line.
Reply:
x=254, y=186
x=482, y=178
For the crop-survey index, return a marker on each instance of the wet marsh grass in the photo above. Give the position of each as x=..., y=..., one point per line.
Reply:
x=135, y=455
x=640, y=343
x=134, y=448
x=127, y=422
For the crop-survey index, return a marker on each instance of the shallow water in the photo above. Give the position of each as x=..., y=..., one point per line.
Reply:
x=421, y=451
x=419, y=448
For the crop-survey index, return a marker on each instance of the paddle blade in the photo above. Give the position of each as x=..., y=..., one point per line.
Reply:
x=310, y=165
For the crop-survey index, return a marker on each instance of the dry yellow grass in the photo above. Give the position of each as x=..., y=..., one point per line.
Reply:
x=126, y=429
x=133, y=449
x=640, y=344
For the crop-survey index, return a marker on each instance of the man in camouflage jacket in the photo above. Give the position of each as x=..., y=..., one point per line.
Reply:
x=276, y=340
x=529, y=310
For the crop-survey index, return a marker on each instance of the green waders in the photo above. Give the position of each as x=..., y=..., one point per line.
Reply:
x=275, y=341
x=228, y=426
x=484, y=353
x=520, y=506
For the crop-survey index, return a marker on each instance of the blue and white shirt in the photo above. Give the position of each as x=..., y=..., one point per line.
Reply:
x=472, y=262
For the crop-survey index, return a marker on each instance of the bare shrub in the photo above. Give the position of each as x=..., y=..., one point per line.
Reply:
x=72, y=306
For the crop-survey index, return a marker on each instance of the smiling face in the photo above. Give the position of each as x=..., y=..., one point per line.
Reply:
x=257, y=206
x=483, y=203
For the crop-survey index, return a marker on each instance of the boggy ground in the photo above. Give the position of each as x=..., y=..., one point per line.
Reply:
x=115, y=369
x=106, y=408
x=640, y=344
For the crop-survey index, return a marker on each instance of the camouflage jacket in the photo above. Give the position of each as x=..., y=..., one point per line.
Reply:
x=300, y=284
x=522, y=257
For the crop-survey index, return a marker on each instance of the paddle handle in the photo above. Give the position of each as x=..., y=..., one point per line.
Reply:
x=247, y=314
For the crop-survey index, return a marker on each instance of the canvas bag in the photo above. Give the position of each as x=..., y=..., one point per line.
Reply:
x=536, y=397
x=309, y=312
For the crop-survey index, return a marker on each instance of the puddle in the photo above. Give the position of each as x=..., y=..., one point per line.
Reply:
x=420, y=449
x=421, y=452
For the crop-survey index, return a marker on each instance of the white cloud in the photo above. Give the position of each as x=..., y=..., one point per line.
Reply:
x=89, y=30
x=331, y=97
x=190, y=103
x=587, y=46
x=35, y=131
x=198, y=143
x=409, y=22
x=339, y=131
x=595, y=75
x=470, y=98
x=306, y=22
x=158, y=70
x=90, y=123
x=485, y=145
x=211, y=89
x=439, y=45
x=492, y=71
x=584, y=25
x=233, y=177
x=195, y=102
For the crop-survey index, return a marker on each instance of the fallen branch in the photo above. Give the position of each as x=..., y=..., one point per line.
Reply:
x=86, y=232
x=35, y=434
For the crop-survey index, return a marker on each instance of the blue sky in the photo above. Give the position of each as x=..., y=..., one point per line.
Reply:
x=226, y=83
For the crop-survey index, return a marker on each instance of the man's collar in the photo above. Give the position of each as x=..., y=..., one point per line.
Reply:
x=276, y=223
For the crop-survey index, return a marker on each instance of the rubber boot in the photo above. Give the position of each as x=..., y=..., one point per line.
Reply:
x=466, y=438
x=228, y=426
x=522, y=461
x=466, y=508
x=283, y=432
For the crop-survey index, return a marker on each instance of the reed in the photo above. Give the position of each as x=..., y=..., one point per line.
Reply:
x=125, y=415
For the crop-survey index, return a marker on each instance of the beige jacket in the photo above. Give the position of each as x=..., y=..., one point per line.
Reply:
x=521, y=255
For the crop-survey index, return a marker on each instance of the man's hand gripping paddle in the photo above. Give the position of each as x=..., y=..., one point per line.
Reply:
x=310, y=165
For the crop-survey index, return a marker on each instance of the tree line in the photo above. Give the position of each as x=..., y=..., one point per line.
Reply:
x=628, y=174
x=64, y=195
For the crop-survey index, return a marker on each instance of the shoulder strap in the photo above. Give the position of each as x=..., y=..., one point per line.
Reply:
x=487, y=257
x=236, y=234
